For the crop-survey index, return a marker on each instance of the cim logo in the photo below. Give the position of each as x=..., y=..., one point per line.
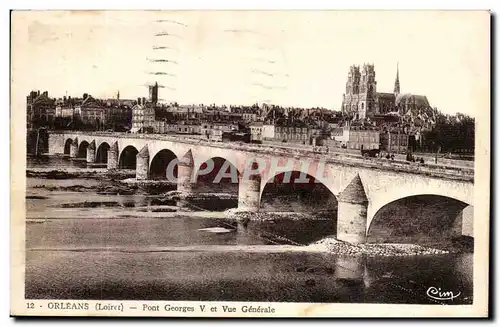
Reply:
x=438, y=294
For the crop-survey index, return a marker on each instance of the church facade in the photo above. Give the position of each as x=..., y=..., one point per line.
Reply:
x=361, y=99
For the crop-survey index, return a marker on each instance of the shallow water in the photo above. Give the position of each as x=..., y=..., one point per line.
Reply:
x=124, y=247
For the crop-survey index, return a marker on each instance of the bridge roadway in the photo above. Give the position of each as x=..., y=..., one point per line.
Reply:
x=442, y=160
x=362, y=186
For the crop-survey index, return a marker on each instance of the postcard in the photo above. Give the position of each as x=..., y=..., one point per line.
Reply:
x=284, y=163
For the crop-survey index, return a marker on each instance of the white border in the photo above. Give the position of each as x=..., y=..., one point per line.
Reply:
x=186, y=4
x=256, y=4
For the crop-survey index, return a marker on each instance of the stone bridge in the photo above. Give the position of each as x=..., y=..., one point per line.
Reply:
x=394, y=195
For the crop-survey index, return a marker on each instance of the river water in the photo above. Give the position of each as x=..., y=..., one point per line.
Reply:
x=85, y=245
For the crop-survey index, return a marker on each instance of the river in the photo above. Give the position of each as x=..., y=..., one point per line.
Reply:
x=85, y=245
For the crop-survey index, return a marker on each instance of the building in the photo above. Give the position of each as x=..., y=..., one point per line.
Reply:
x=153, y=93
x=91, y=111
x=40, y=109
x=249, y=117
x=65, y=107
x=416, y=110
x=293, y=133
x=215, y=135
x=358, y=137
x=300, y=131
x=361, y=138
x=361, y=99
x=268, y=131
x=143, y=116
x=394, y=142
x=244, y=113
x=188, y=127
x=207, y=127
x=171, y=127
x=256, y=129
x=119, y=116
x=160, y=127
x=339, y=137
x=164, y=127
x=338, y=134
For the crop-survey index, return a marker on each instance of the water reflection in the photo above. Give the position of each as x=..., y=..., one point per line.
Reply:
x=225, y=276
x=94, y=229
x=55, y=162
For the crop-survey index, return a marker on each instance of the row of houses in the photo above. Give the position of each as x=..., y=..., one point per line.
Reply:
x=143, y=115
x=194, y=112
x=285, y=132
x=43, y=110
x=281, y=131
x=362, y=138
x=189, y=128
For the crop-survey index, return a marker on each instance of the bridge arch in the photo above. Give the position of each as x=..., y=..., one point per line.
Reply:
x=422, y=218
x=67, y=146
x=82, y=149
x=163, y=160
x=217, y=174
x=128, y=159
x=382, y=192
x=297, y=191
x=101, y=155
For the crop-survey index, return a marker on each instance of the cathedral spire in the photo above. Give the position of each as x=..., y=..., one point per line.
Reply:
x=396, y=83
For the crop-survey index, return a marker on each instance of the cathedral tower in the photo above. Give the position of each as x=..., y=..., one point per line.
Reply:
x=352, y=85
x=368, y=91
x=153, y=93
x=397, y=89
x=350, y=98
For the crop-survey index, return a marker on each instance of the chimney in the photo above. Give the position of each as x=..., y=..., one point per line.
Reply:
x=144, y=100
x=64, y=98
x=138, y=101
x=38, y=93
x=46, y=93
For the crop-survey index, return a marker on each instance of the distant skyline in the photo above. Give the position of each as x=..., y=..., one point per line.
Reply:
x=289, y=58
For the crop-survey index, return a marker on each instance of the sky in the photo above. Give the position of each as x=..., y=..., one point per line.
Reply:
x=291, y=58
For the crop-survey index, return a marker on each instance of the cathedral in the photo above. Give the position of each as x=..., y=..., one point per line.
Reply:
x=361, y=99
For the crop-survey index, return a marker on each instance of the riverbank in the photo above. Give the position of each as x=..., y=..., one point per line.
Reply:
x=332, y=245
x=76, y=172
x=246, y=216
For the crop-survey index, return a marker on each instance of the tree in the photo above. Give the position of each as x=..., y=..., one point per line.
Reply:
x=451, y=133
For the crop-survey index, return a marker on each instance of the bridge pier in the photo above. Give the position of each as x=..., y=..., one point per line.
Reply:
x=185, y=169
x=113, y=156
x=142, y=164
x=73, y=148
x=249, y=190
x=91, y=152
x=55, y=144
x=467, y=217
x=352, y=213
